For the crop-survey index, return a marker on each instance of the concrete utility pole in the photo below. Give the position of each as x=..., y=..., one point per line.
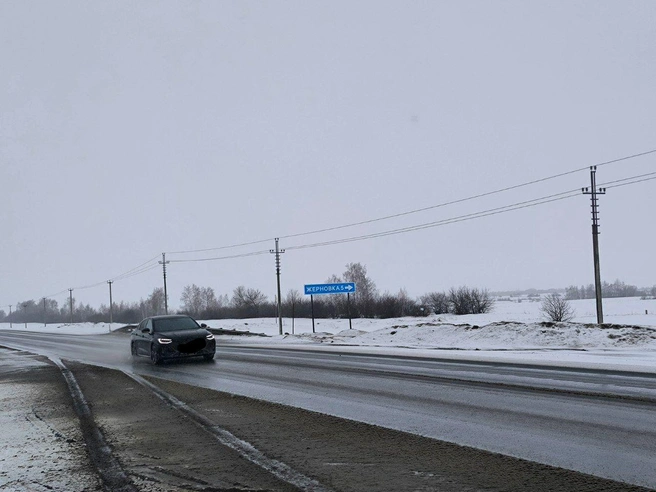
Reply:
x=11, y=325
x=111, y=307
x=166, y=297
x=593, y=191
x=44, y=311
x=70, y=302
x=277, y=252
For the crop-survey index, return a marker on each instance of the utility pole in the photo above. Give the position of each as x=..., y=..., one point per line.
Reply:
x=111, y=307
x=70, y=302
x=277, y=252
x=44, y=311
x=166, y=297
x=593, y=191
x=11, y=325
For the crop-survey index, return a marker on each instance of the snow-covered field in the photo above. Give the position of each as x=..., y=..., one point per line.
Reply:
x=513, y=331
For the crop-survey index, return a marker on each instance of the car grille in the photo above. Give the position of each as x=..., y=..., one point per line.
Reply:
x=192, y=346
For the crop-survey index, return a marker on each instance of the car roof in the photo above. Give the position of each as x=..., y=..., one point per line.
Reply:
x=168, y=316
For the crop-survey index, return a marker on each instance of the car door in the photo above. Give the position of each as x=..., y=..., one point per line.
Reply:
x=137, y=336
x=143, y=337
x=147, y=333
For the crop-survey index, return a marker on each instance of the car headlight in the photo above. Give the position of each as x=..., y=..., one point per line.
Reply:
x=210, y=337
x=164, y=341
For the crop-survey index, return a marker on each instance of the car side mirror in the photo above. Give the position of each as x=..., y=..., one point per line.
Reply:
x=145, y=330
x=203, y=325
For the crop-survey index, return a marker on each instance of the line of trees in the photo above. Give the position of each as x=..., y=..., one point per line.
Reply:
x=204, y=303
x=50, y=311
x=367, y=302
x=616, y=289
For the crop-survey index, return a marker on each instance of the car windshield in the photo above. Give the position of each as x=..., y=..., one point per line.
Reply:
x=174, y=324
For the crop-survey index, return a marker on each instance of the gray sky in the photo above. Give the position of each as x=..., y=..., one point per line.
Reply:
x=128, y=129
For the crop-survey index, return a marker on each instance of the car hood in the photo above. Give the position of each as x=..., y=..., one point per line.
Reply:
x=183, y=334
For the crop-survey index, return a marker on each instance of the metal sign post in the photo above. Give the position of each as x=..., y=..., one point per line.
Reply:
x=348, y=308
x=326, y=289
x=312, y=305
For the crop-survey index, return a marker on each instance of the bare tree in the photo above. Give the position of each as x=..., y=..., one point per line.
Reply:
x=292, y=300
x=555, y=308
x=335, y=304
x=191, y=300
x=481, y=301
x=198, y=300
x=366, y=292
x=459, y=300
x=407, y=306
x=248, y=300
x=464, y=300
x=154, y=304
x=388, y=306
x=437, y=302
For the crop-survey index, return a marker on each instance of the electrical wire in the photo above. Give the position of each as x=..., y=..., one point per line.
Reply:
x=625, y=158
x=423, y=209
x=89, y=286
x=484, y=213
x=254, y=253
x=259, y=241
x=452, y=220
x=145, y=267
x=55, y=295
x=632, y=182
x=138, y=272
x=122, y=275
x=628, y=179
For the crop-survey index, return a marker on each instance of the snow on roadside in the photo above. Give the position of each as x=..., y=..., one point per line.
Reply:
x=512, y=331
x=63, y=328
x=509, y=336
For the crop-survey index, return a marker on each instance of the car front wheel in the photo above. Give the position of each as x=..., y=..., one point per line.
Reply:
x=155, y=357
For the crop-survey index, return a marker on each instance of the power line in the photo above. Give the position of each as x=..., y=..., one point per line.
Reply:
x=630, y=183
x=118, y=277
x=243, y=255
x=476, y=215
x=453, y=220
x=130, y=273
x=57, y=294
x=626, y=158
x=138, y=272
x=480, y=214
x=259, y=241
x=89, y=286
x=484, y=213
x=145, y=267
x=423, y=209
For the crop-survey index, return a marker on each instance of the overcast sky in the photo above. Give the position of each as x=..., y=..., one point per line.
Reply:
x=128, y=129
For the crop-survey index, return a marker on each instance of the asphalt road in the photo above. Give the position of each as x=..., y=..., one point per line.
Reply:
x=601, y=423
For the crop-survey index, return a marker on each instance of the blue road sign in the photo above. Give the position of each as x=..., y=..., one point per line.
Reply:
x=343, y=288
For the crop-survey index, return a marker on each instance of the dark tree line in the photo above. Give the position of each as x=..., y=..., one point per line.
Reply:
x=616, y=289
x=204, y=303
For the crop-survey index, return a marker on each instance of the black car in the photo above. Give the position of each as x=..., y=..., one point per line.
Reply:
x=172, y=337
